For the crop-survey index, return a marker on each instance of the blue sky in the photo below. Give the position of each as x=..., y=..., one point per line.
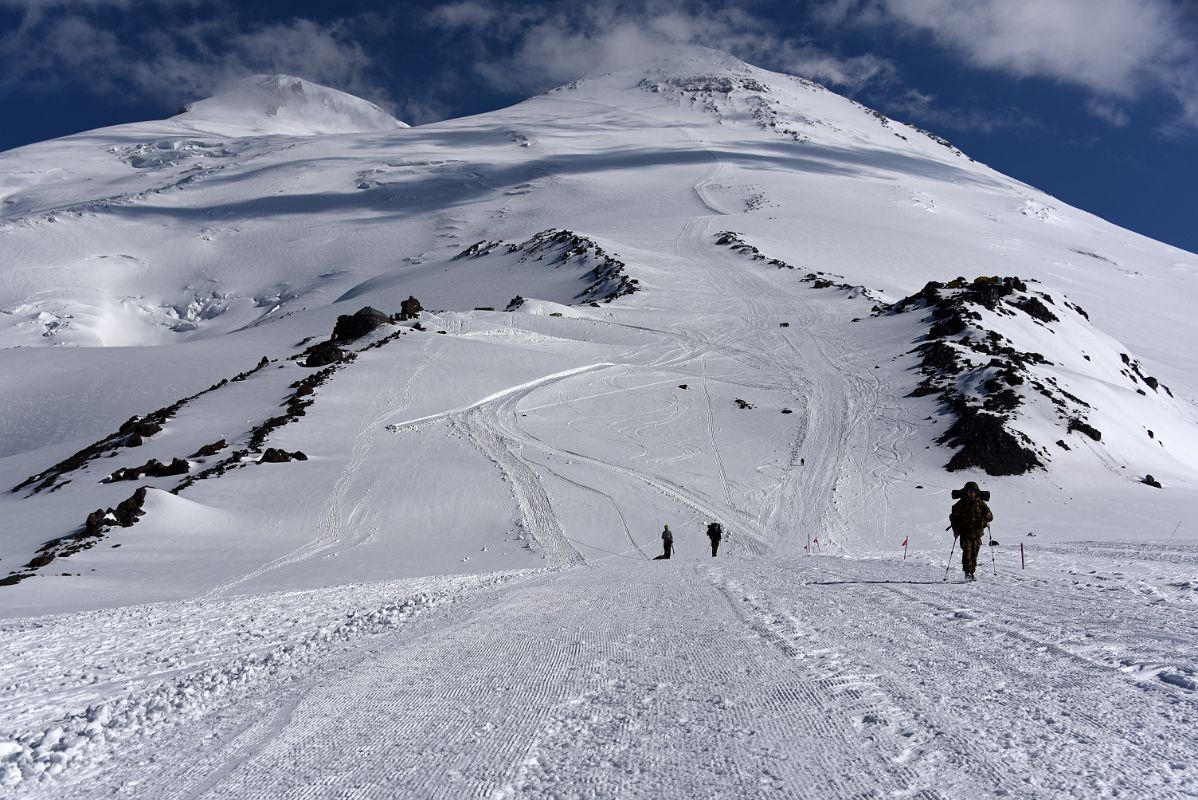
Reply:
x=1094, y=101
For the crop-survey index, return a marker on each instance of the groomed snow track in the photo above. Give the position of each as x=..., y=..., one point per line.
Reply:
x=783, y=676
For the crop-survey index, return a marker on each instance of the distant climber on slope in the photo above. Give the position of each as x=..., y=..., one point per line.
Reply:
x=667, y=543
x=969, y=517
x=715, y=532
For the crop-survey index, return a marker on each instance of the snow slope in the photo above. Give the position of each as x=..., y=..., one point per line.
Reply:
x=144, y=264
x=285, y=105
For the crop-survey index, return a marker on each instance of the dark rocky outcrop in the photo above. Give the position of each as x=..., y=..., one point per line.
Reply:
x=515, y=303
x=274, y=455
x=356, y=325
x=1151, y=481
x=132, y=433
x=984, y=442
x=153, y=469
x=323, y=354
x=410, y=309
x=607, y=274
x=93, y=530
x=210, y=449
x=959, y=352
x=818, y=280
x=129, y=510
x=1035, y=309
x=241, y=376
x=1081, y=426
x=295, y=406
x=39, y=561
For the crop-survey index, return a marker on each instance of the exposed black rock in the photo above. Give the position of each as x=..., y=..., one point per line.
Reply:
x=391, y=337
x=1081, y=426
x=356, y=325
x=1151, y=481
x=410, y=309
x=323, y=354
x=209, y=449
x=608, y=274
x=274, y=455
x=87, y=536
x=129, y=510
x=818, y=280
x=132, y=433
x=39, y=561
x=152, y=468
x=241, y=376
x=515, y=303
x=295, y=406
x=959, y=354
x=1035, y=309
x=985, y=443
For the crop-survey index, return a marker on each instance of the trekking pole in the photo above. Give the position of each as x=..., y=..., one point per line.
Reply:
x=949, y=566
x=992, y=565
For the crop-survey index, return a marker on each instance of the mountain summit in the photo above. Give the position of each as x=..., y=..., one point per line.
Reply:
x=735, y=94
x=285, y=104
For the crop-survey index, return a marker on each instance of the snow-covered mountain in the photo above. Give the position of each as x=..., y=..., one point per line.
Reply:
x=685, y=291
x=285, y=105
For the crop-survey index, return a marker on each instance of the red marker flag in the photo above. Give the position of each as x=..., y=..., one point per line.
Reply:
x=905, y=541
x=905, y=538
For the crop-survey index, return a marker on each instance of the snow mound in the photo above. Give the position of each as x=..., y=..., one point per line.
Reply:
x=284, y=104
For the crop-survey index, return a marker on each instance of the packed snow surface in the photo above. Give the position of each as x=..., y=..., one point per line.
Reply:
x=661, y=295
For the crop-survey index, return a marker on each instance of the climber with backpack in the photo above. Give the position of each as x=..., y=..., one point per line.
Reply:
x=969, y=518
x=715, y=532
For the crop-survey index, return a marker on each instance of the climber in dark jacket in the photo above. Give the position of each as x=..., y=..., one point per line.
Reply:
x=969, y=518
x=715, y=532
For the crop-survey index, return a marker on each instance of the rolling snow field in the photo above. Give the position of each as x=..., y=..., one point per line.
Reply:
x=667, y=295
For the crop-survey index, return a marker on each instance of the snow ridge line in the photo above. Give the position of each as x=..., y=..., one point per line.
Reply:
x=89, y=737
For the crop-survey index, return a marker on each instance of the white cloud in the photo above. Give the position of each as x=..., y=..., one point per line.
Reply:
x=523, y=47
x=176, y=63
x=1110, y=113
x=1116, y=48
x=1103, y=44
x=854, y=73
